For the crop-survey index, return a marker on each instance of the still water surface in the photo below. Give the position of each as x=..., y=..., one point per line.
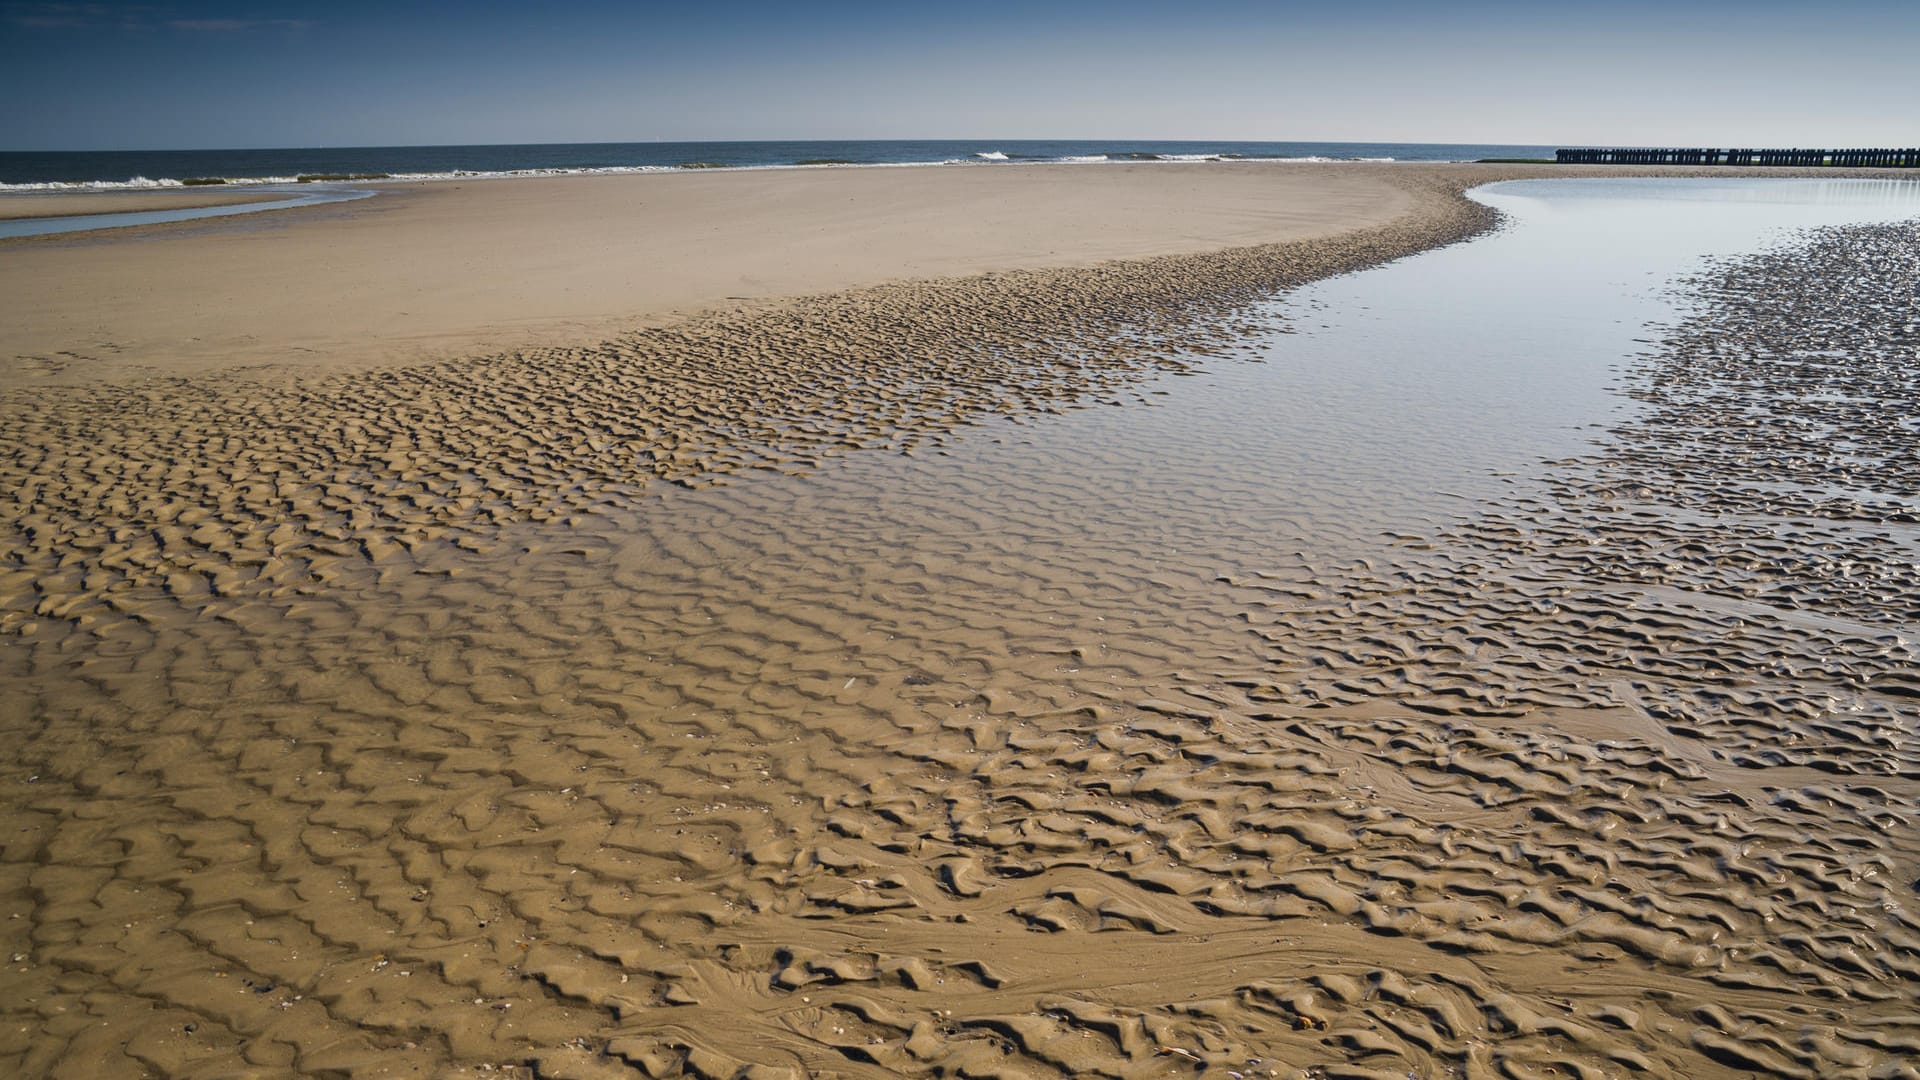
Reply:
x=1443, y=374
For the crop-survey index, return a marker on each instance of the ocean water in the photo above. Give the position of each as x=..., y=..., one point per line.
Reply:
x=110, y=169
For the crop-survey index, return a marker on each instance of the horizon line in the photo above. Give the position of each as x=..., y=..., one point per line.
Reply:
x=816, y=139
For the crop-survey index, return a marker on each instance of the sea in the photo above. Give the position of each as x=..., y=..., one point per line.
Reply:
x=134, y=169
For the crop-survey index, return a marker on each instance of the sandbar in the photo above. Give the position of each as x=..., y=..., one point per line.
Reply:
x=467, y=268
x=23, y=206
x=427, y=271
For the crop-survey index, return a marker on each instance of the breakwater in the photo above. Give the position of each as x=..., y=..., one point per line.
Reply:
x=1908, y=158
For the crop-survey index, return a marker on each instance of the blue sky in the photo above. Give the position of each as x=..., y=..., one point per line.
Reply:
x=187, y=75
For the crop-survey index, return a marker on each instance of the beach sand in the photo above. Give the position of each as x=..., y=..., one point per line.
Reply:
x=18, y=206
x=605, y=705
x=458, y=269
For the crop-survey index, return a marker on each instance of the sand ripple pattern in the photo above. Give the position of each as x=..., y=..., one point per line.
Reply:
x=1734, y=566
x=203, y=486
x=872, y=774
x=1780, y=420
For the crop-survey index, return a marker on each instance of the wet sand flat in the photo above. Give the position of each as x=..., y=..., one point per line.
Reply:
x=17, y=207
x=866, y=685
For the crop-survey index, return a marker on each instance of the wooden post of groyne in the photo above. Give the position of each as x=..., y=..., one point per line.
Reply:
x=1861, y=159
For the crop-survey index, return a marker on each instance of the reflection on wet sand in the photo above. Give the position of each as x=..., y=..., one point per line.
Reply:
x=1041, y=751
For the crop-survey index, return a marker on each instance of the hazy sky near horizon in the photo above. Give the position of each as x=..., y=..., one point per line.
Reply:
x=351, y=73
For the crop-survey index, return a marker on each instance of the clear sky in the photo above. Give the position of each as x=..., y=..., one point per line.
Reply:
x=347, y=73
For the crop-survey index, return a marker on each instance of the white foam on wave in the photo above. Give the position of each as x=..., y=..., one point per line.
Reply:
x=991, y=155
x=510, y=174
x=143, y=183
x=1083, y=159
x=136, y=183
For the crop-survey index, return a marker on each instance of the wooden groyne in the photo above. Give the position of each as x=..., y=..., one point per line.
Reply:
x=1878, y=159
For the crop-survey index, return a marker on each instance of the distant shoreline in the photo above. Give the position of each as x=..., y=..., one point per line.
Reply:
x=145, y=170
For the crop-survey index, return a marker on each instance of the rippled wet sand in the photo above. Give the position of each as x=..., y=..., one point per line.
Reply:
x=1085, y=744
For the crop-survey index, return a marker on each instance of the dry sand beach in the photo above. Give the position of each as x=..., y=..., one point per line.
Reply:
x=598, y=628
x=467, y=267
